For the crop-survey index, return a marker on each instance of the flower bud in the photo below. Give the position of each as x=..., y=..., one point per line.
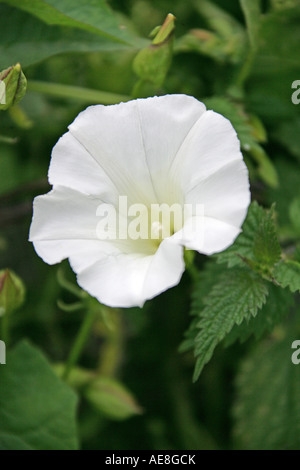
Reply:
x=152, y=63
x=13, y=85
x=12, y=291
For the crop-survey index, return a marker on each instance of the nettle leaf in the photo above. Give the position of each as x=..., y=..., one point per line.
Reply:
x=276, y=308
x=37, y=409
x=207, y=278
x=287, y=274
x=31, y=40
x=257, y=245
x=244, y=244
x=235, y=297
x=94, y=17
x=267, y=410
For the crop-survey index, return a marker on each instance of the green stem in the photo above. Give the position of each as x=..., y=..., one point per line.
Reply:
x=79, y=343
x=111, y=351
x=74, y=92
x=246, y=68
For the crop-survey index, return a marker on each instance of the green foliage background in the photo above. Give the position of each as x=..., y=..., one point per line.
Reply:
x=126, y=382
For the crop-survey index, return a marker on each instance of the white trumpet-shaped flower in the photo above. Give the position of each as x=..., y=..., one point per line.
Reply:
x=140, y=155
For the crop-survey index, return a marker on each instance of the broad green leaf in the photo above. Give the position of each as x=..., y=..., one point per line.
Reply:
x=277, y=307
x=237, y=296
x=31, y=40
x=267, y=410
x=287, y=273
x=90, y=15
x=252, y=12
x=37, y=410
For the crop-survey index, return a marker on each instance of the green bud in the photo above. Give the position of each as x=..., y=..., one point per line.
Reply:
x=12, y=291
x=111, y=398
x=13, y=85
x=152, y=63
x=165, y=31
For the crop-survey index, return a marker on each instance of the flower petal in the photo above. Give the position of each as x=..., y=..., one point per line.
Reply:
x=206, y=235
x=126, y=280
x=135, y=142
x=225, y=195
x=211, y=144
x=73, y=166
x=64, y=214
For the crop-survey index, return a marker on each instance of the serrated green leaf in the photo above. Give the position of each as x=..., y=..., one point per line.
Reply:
x=243, y=245
x=94, y=17
x=267, y=410
x=287, y=273
x=257, y=245
x=37, y=410
x=207, y=278
x=252, y=12
x=237, y=296
x=276, y=308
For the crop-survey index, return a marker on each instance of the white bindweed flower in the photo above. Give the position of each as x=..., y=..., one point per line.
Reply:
x=166, y=150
